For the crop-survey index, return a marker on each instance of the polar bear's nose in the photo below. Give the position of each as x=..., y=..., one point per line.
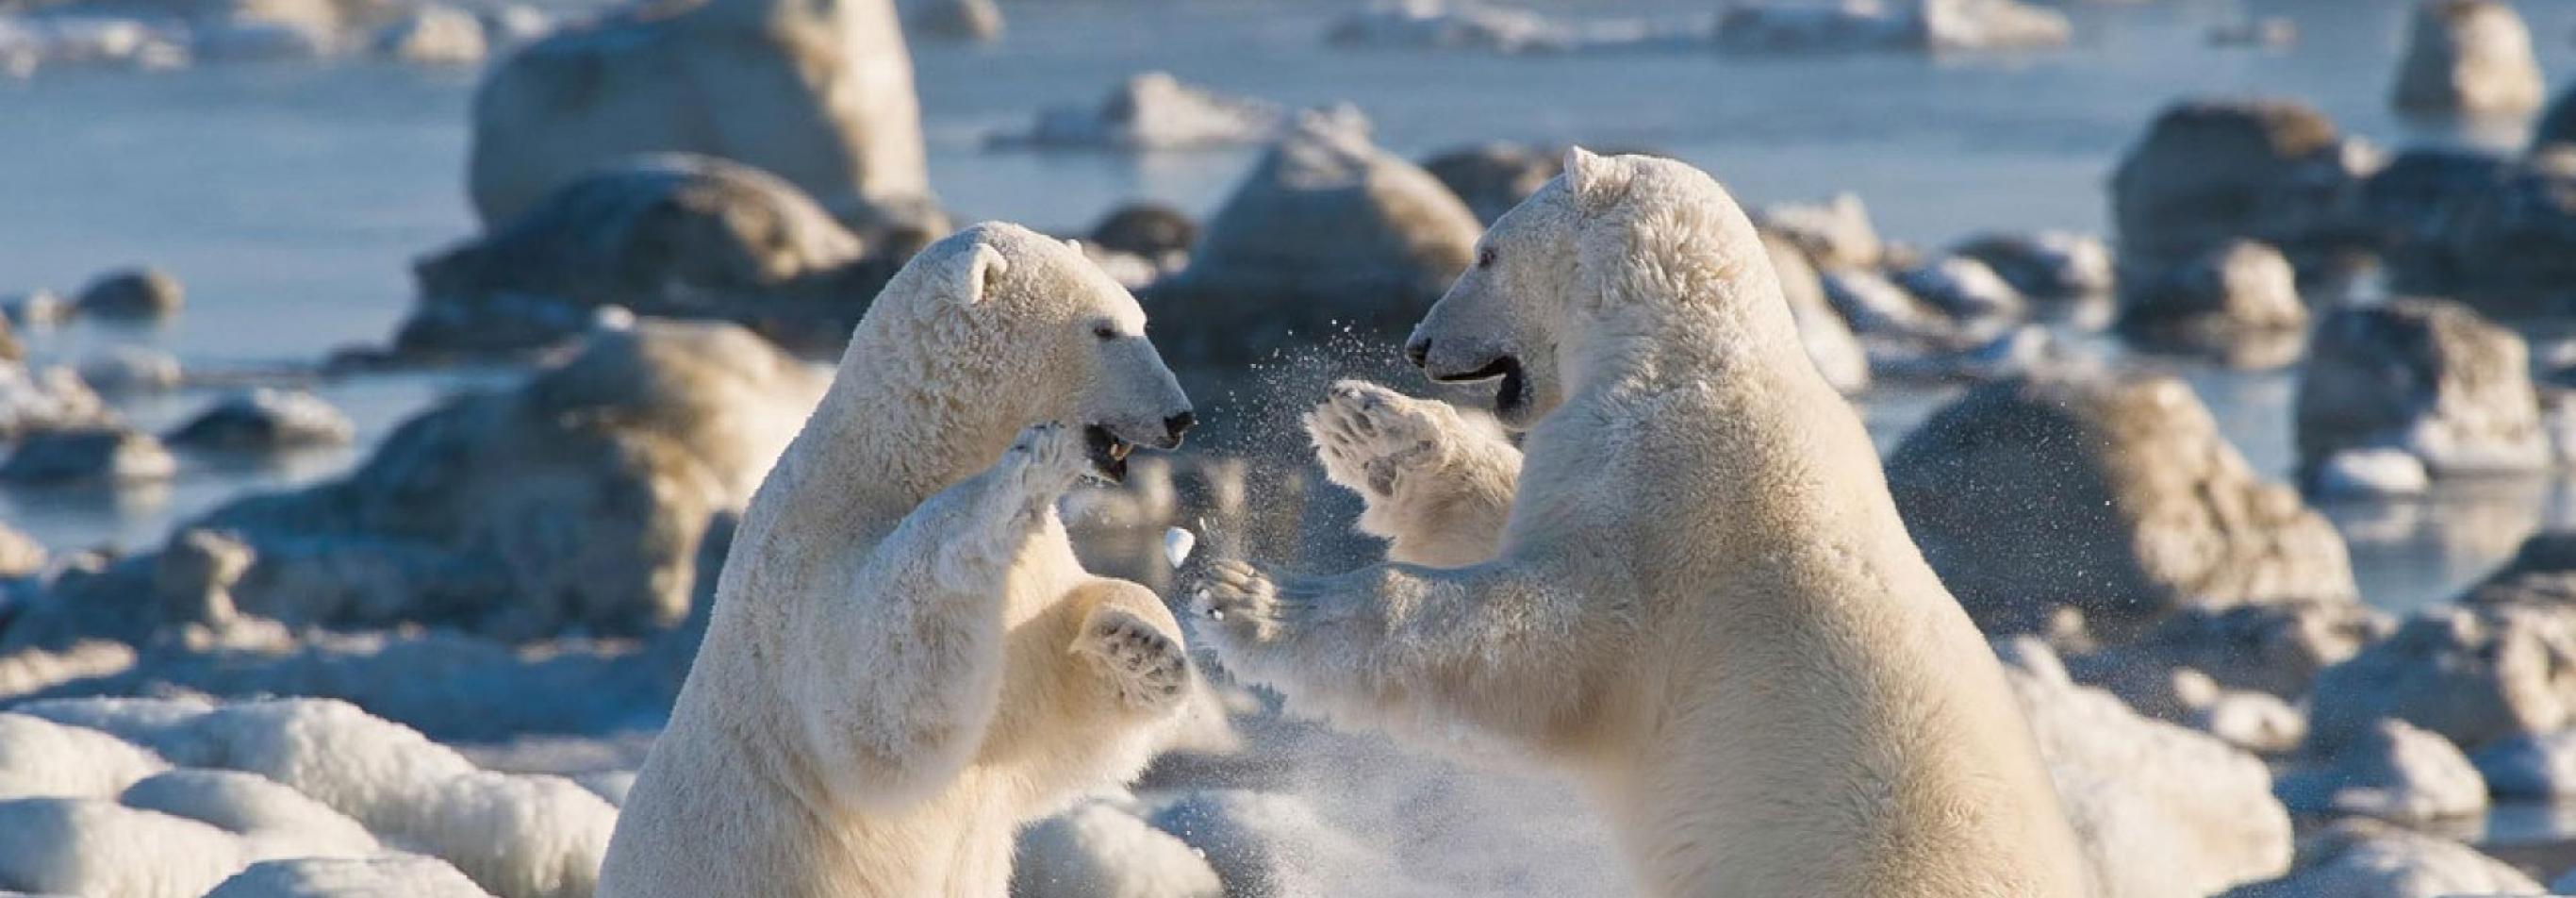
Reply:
x=1179, y=424
x=1418, y=351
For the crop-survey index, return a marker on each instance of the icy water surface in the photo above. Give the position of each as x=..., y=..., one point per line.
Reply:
x=291, y=199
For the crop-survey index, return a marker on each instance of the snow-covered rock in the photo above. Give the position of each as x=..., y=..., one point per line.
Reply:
x=2238, y=303
x=2428, y=377
x=2116, y=496
x=818, y=95
x=2045, y=264
x=1155, y=111
x=2469, y=57
x=1875, y=306
x=47, y=399
x=2394, y=772
x=1867, y=25
x=1829, y=341
x=1448, y=25
x=2368, y=859
x=2267, y=32
x=434, y=35
x=966, y=20
x=2473, y=675
x=384, y=876
x=2208, y=172
x=39, y=308
x=1493, y=177
x=127, y=370
x=1836, y=233
x=1327, y=232
x=2372, y=473
x=99, y=455
x=2538, y=766
x=20, y=554
x=265, y=420
x=131, y=295
x=1963, y=288
x=1151, y=231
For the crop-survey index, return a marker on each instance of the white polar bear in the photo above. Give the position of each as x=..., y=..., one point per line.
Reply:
x=1698, y=599
x=906, y=662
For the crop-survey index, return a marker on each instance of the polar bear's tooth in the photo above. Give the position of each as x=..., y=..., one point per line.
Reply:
x=1177, y=544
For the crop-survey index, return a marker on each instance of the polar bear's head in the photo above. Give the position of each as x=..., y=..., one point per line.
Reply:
x=1603, y=251
x=1020, y=328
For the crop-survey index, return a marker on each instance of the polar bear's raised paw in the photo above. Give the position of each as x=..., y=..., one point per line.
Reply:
x=1370, y=437
x=1144, y=664
x=1044, y=462
x=1239, y=599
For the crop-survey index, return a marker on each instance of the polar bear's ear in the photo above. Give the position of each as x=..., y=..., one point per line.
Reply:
x=1591, y=179
x=965, y=275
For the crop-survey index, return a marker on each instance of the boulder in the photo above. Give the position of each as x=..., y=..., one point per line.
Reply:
x=959, y=20
x=1154, y=111
x=2428, y=377
x=1493, y=177
x=1448, y=25
x=1830, y=344
x=2237, y=304
x=2541, y=575
x=134, y=294
x=2509, y=249
x=130, y=370
x=670, y=236
x=38, y=308
x=2368, y=859
x=105, y=455
x=2160, y=811
x=2468, y=57
x=2045, y=264
x=408, y=876
x=265, y=420
x=2392, y=772
x=2115, y=496
x=1915, y=25
x=1963, y=288
x=1835, y=233
x=820, y=95
x=2275, y=649
x=2558, y=125
x=2530, y=766
x=1328, y=232
x=1150, y=230
x=434, y=35
x=1875, y=306
x=2473, y=676
x=2379, y=473
x=2210, y=171
x=20, y=555
x=39, y=400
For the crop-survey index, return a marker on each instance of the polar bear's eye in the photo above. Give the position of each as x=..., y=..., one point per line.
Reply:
x=1485, y=257
x=1105, y=331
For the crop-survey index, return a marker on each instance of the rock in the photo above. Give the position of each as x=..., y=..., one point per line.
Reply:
x=2274, y=649
x=2210, y=171
x=1830, y=344
x=20, y=555
x=665, y=236
x=408, y=876
x=1493, y=177
x=2268, y=32
x=101, y=455
x=1328, y=232
x=511, y=24
x=34, y=401
x=1875, y=306
x=2508, y=249
x=132, y=295
x=10, y=349
x=2468, y=57
x=2046, y=264
x=1097, y=850
x=2541, y=575
x=1917, y=25
x=2259, y=723
x=2471, y=675
x=966, y=20
x=266, y=420
x=1964, y=289
x=820, y=96
x=1447, y=25
x=2531, y=766
x=2158, y=809
x=578, y=500
x=434, y=35
x=1836, y=234
x=2371, y=473
x=2368, y=859
x=2392, y=772
x=260, y=40
x=128, y=370
x=2238, y=304
x=2427, y=377
x=2025, y=350
x=194, y=576
x=1152, y=230
x=2114, y=496
x=2558, y=125
x=1154, y=111
x=37, y=309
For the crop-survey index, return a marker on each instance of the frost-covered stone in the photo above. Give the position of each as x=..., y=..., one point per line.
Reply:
x=55, y=398
x=2159, y=810
x=1155, y=111
x=2428, y=377
x=819, y=95
x=2210, y=171
x=434, y=35
x=126, y=370
x=2468, y=56
x=2045, y=264
x=1327, y=232
x=91, y=455
x=131, y=295
x=1100, y=850
x=2367, y=859
x=2372, y=473
x=672, y=236
x=968, y=20
x=2238, y=303
x=1494, y=177
x=2472, y=675
x=1829, y=341
x=265, y=420
x=1863, y=25
x=1835, y=233
x=2393, y=771
x=1963, y=288
x=2115, y=496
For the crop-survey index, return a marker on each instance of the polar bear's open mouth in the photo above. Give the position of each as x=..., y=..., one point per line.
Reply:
x=1511, y=396
x=1107, y=452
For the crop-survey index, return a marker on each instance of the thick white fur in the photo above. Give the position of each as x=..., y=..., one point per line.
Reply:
x=905, y=661
x=1701, y=600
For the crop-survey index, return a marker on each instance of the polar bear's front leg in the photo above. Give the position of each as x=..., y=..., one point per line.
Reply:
x=912, y=673
x=1498, y=646
x=1435, y=485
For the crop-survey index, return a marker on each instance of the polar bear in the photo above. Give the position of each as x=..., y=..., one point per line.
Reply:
x=905, y=662
x=1690, y=588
